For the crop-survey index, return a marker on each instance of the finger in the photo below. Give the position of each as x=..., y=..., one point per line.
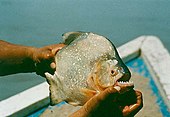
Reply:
x=134, y=108
x=56, y=48
x=51, y=50
x=56, y=45
x=45, y=55
x=98, y=103
x=107, y=95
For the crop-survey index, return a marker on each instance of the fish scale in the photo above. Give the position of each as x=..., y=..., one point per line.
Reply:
x=86, y=66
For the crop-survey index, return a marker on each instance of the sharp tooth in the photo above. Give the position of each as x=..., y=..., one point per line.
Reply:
x=130, y=82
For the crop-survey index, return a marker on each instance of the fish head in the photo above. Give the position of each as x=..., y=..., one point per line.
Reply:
x=126, y=72
x=108, y=71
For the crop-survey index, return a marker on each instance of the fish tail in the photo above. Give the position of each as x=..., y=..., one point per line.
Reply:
x=56, y=93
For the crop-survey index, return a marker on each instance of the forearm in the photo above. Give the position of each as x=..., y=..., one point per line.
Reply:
x=15, y=58
x=80, y=113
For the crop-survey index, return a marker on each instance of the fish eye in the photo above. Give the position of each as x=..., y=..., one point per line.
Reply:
x=112, y=71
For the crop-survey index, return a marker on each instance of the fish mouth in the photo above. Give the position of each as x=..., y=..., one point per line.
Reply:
x=125, y=81
x=123, y=74
x=122, y=83
x=123, y=87
x=124, y=78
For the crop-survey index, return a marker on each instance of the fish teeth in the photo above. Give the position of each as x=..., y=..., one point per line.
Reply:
x=127, y=82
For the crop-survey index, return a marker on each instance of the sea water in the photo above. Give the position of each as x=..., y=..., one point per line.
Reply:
x=42, y=22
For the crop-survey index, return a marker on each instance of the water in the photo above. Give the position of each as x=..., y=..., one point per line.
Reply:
x=42, y=22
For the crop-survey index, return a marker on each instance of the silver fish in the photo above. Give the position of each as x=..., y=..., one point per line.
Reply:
x=86, y=66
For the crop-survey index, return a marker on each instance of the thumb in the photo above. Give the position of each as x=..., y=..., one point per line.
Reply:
x=110, y=93
x=99, y=102
x=107, y=95
x=57, y=48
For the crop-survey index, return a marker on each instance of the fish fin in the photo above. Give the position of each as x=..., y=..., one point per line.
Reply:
x=88, y=94
x=71, y=36
x=74, y=103
x=99, y=86
x=56, y=93
x=49, y=78
x=90, y=82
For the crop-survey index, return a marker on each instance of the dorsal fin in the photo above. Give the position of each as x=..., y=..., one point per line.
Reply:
x=71, y=36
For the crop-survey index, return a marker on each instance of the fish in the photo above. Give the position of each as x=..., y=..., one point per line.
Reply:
x=87, y=65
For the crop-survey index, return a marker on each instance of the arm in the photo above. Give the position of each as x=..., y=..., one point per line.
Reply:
x=15, y=58
x=21, y=59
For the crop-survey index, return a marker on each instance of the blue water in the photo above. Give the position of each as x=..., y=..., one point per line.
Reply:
x=42, y=22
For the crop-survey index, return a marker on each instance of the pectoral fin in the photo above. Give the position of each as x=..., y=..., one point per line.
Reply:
x=88, y=94
x=56, y=92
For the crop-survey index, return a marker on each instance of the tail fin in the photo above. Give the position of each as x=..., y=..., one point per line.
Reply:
x=56, y=92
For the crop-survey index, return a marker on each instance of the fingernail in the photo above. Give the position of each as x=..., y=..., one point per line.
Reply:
x=54, y=51
x=117, y=88
x=48, y=55
x=53, y=65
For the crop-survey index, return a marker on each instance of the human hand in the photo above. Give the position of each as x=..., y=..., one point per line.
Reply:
x=44, y=58
x=108, y=104
x=130, y=103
